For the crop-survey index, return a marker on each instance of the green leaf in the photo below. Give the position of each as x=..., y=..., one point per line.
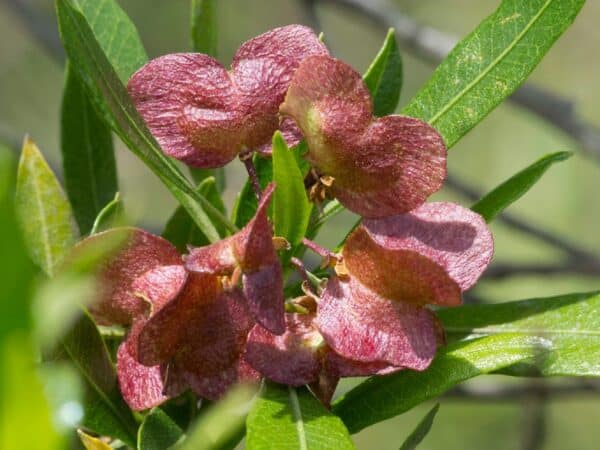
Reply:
x=158, y=431
x=291, y=208
x=84, y=346
x=116, y=34
x=490, y=63
x=181, y=229
x=380, y=398
x=204, y=26
x=219, y=427
x=292, y=418
x=569, y=325
x=25, y=416
x=16, y=268
x=384, y=76
x=43, y=211
x=515, y=187
x=111, y=98
x=88, y=156
x=549, y=337
x=245, y=205
x=422, y=430
x=110, y=216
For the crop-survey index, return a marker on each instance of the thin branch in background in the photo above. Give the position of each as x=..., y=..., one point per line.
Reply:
x=534, y=422
x=432, y=45
x=497, y=394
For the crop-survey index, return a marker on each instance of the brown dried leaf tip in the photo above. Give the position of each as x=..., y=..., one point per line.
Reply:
x=204, y=115
x=380, y=166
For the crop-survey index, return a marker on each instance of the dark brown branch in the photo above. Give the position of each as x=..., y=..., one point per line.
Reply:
x=433, y=45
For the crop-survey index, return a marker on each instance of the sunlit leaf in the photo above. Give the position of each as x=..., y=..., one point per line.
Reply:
x=490, y=63
x=549, y=337
x=384, y=77
x=44, y=213
x=91, y=442
x=292, y=418
x=291, y=208
x=515, y=187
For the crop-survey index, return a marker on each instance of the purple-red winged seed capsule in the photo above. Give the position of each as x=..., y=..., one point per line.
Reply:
x=204, y=115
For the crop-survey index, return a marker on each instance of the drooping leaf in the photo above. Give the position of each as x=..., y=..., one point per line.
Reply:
x=181, y=230
x=43, y=211
x=158, y=431
x=246, y=202
x=384, y=77
x=422, y=429
x=110, y=216
x=84, y=346
x=204, y=27
x=221, y=426
x=569, y=325
x=110, y=97
x=116, y=34
x=549, y=337
x=88, y=156
x=291, y=208
x=515, y=187
x=490, y=63
x=292, y=418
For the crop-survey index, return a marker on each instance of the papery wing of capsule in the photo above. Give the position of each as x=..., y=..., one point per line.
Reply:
x=118, y=302
x=204, y=115
x=345, y=367
x=360, y=325
x=215, y=259
x=291, y=358
x=454, y=237
x=145, y=387
x=380, y=166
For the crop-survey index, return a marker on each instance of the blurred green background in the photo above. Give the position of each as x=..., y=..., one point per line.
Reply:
x=565, y=202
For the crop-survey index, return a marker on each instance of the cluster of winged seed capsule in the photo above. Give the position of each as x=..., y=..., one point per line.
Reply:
x=215, y=316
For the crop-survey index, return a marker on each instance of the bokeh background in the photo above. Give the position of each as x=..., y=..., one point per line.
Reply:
x=565, y=203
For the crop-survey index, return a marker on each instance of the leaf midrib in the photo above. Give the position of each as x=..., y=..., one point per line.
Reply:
x=493, y=64
x=44, y=224
x=298, y=419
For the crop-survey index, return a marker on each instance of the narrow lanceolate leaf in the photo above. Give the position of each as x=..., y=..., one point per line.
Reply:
x=110, y=97
x=246, y=202
x=490, y=63
x=84, y=346
x=43, y=211
x=422, y=430
x=569, y=324
x=549, y=337
x=291, y=208
x=181, y=229
x=222, y=426
x=380, y=398
x=515, y=187
x=88, y=156
x=110, y=216
x=292, y=418
x=204, y=27
x=116, y=34
x=158, y=431
x=384, y=77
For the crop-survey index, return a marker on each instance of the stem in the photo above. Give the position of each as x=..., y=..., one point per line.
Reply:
x=246, y=158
